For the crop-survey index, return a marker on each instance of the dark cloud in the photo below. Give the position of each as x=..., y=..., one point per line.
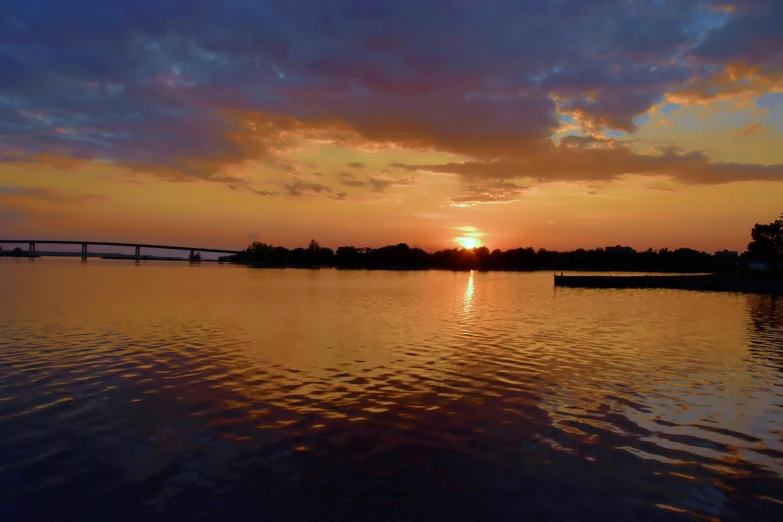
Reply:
x=299, y=188
x=753, y=35
x=339, y=196
x=349, y=179
x=182, y=88
x=355, y=165
x=605, y=163
x=379, y=183
x=489, y=191
x=480, y=197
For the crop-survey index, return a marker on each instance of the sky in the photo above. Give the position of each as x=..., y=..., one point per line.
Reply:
x=556, y=124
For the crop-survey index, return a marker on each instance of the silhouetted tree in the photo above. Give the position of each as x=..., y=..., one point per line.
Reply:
x=766, y=241
x=259, y=251
x=348, y=257
x=298, y=257
x=278, y=256
x=316, y=255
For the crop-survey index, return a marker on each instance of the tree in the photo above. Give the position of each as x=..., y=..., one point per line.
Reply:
x=278, y=256
x=767, y=241
x=348, y=257
x=259, y=251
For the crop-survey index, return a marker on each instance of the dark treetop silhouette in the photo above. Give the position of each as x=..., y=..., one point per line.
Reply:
x=766, y=245
x=767, y=242
x=403, y=257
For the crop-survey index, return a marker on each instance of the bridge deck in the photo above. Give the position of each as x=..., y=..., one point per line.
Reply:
x=113, y=243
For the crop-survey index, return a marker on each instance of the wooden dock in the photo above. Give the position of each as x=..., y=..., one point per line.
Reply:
x=709, y=283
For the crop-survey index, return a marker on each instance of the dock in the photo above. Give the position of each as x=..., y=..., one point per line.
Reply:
x=708, y=283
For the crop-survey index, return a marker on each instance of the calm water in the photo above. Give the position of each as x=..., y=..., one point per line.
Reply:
x=165, y=390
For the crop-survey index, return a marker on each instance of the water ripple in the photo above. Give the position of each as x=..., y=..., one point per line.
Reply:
x=371, y=395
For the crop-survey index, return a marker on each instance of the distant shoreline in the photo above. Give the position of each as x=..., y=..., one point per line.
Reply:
x=404, y=257
x=393, y=268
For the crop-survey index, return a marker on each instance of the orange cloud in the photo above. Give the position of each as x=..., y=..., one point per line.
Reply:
x=752, y=130
x=737, y=83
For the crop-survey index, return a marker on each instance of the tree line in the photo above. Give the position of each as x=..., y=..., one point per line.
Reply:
x=765, y=247
x=404, y=257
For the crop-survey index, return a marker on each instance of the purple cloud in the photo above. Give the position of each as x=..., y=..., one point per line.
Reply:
x=161, y=85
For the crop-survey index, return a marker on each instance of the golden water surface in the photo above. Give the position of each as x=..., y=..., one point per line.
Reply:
x=169, y=389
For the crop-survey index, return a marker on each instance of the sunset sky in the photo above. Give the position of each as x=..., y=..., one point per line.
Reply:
x=545, y=123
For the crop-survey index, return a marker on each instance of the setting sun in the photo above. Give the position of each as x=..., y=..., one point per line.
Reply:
x=467, y=242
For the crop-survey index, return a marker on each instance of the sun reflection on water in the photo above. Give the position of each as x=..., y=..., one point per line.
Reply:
x=468, y=297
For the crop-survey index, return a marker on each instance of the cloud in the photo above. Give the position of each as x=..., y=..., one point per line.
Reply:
x=752, y=130
x=183, y=90
x=661, y=187
x=377, y=182
x=298, y=188
x=752, y=35
x=735, y=83
x=349, y=179
x=355, y=165
x=489, y=191
x=380, y=182
x=480, y=198
x=584, y=163
x=340, y=196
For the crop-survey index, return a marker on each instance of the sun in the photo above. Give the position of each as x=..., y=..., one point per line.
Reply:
x=468, y=242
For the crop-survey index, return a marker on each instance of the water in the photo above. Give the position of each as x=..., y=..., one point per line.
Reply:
x=166, y=390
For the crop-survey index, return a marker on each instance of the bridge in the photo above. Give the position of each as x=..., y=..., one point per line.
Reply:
x=138, y=246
